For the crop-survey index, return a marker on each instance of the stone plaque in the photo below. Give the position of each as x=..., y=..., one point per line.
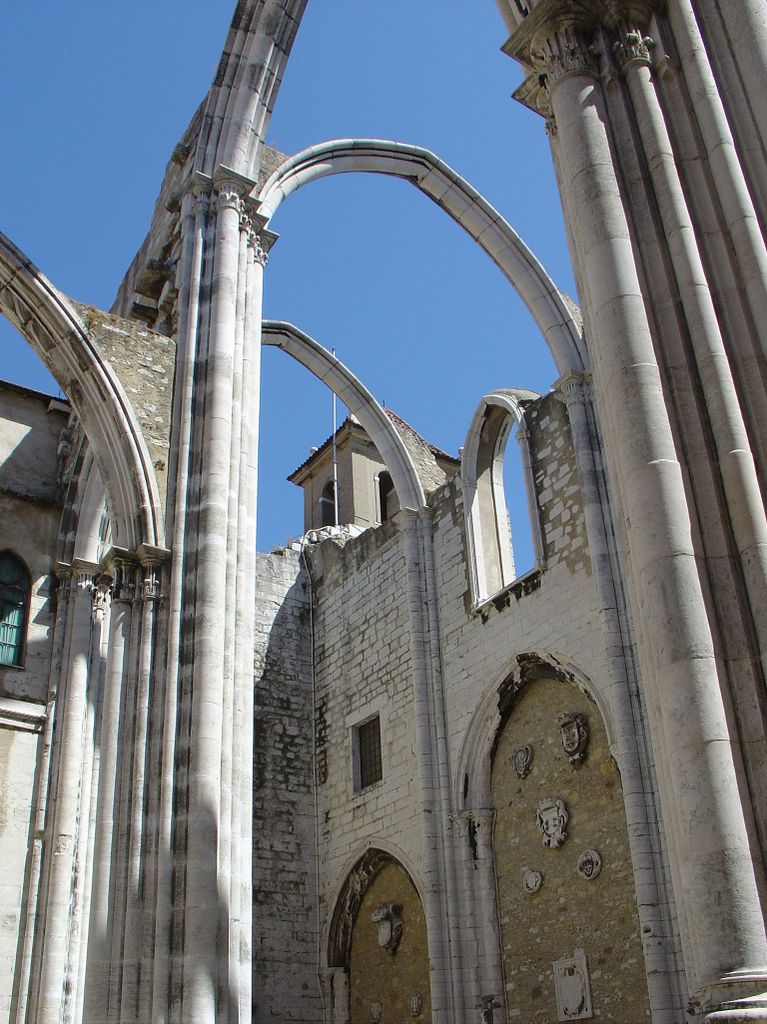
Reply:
x=573, y=991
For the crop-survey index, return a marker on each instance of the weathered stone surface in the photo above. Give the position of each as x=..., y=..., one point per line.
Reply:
x=144, y=363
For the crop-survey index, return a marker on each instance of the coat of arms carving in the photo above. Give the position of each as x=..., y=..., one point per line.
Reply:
x=574, y=731
x=552, y=818
x=388, y=917
x=522, y=761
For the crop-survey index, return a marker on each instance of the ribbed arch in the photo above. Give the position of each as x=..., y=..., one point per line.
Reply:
x=358, y=400
x=548, y=307
x=48, y=321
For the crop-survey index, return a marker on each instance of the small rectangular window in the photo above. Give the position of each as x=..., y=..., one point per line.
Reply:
x=368, y=753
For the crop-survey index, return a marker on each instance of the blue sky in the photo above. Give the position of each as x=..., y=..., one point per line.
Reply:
x=97, y=92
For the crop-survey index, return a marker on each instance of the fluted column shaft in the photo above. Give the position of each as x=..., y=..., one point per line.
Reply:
x=63, y=833
x=736, y=461
x=203, y=914
x=679, y=658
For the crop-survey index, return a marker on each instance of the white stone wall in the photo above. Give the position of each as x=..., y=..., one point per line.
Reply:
x=364, y=661
x=284, y=861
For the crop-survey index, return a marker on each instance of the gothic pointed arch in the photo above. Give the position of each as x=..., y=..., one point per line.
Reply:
x=358, y=400
x=58, y=335
x=377, y=948
x=489, y=539
x=552, y=311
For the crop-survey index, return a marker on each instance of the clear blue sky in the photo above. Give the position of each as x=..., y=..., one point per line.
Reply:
x=97, y=92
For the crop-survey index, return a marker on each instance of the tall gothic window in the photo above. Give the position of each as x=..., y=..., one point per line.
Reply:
x=485, y=462
x=14, y=602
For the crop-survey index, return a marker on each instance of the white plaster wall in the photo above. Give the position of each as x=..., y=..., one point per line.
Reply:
x=30, y=513
x=18, y=758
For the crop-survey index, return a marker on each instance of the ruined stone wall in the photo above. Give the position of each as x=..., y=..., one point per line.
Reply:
x=363, y=661
x=144, y=363
x=284, y=865
x=364, y=667
x=554, y=611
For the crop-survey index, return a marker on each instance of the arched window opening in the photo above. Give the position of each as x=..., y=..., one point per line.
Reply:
x=14, y=603
x=504, y=535
x=328, y=504
x=388, y=502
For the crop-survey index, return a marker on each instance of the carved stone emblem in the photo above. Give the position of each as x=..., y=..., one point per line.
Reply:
x=551, y=819
x=376, y=1012
x=531, y=880
x=390, y=924
x=415, y=1004
x=571, y=984
x=589, y=864
x=522, y=760
x=574, y=731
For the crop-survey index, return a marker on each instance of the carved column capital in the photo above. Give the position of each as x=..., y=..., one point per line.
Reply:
x=563, y=49
x=256, y=245
x=100, y=596
x=150, y=584
x=227, y=197
x=632, y=47
x=201, y=199
x=574, y=387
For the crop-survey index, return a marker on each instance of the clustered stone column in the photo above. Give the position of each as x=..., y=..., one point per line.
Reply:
x=217, y=487
x=726, y=950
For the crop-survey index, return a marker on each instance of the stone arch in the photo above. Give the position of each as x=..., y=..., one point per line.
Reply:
x=353, y=393
x=49, y=322
x=550, y=309
x=490, y=549
x=471, y=782
x=377, y=941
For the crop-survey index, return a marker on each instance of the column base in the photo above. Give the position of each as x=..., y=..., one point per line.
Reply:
x=738, y=996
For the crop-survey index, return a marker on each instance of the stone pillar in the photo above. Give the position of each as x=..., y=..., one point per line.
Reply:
x=63, y=829
x=97, y=990
x=735, y=459
x=480, y=946
x=727, y=948
x=632, y=753
x=221, y=485
x=443, y=1009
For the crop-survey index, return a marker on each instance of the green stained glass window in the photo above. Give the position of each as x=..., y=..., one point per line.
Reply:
x=14, y=599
